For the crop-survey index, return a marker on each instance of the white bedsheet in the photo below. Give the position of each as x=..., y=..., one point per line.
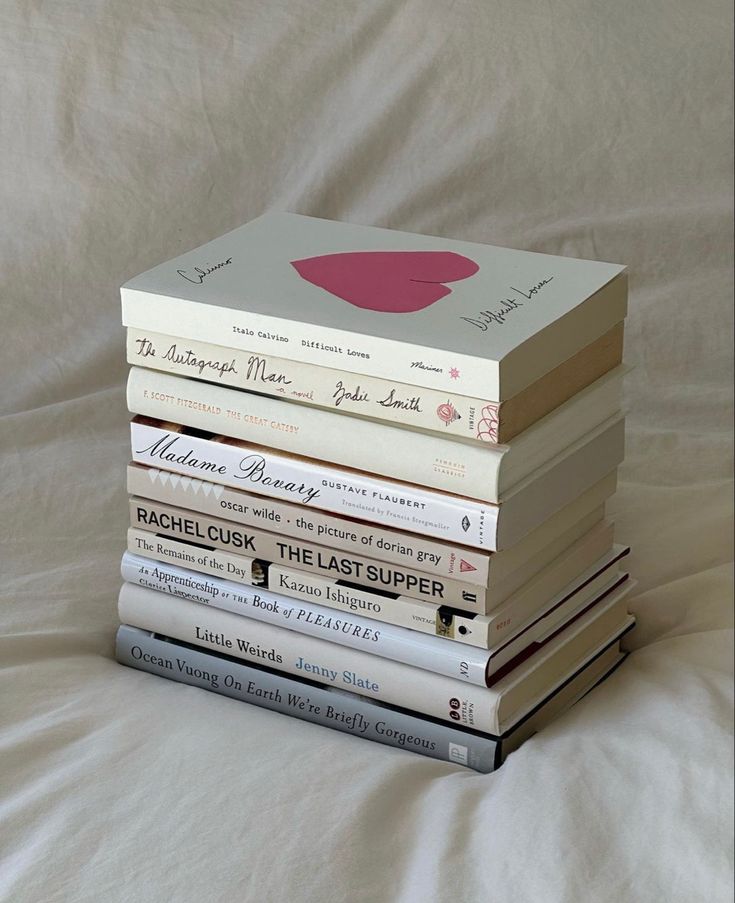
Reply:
x=130, y=131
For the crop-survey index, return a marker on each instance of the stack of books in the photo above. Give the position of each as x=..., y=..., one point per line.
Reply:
x=368, y=481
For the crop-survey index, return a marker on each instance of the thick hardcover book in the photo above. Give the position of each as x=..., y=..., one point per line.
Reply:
x=431, y=653
x=486, y=473
x=449, y=315
x=230, y=547
x=539, y=594
x=467, y=565
x=409, y=507
x=490, y=710
x=444, y=412
x=347, y=712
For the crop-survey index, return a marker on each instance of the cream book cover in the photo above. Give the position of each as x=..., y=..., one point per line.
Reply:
x=481, y=320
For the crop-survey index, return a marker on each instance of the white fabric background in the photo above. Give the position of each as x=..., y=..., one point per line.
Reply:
x=130, y=131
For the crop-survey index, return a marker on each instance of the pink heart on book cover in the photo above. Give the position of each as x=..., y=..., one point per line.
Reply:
x=397, y=282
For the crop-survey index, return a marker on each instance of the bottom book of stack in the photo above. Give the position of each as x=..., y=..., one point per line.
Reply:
x=475, y=724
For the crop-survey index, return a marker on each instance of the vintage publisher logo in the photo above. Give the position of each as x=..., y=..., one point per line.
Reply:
x=447, y=413
x=466, y=523
x=465, y=566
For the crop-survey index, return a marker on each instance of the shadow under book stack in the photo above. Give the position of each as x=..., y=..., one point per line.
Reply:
x=368, y=481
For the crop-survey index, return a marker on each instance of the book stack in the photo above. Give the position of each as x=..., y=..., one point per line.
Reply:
x=368, y=481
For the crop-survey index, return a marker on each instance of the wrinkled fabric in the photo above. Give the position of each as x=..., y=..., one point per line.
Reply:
x=131, y=131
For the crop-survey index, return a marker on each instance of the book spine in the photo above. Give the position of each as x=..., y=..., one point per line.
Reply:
x=442, y=559
x=321, y=345
x=312, y=483
x=403, y=611
x=396, y=643
x=442, y=621
x=206, y=561
x=354, y=715
x=468, y=469
x=347, y=669
x=310, y=557
x=443, y=412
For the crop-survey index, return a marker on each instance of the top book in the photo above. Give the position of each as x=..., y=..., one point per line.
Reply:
x=426, y=311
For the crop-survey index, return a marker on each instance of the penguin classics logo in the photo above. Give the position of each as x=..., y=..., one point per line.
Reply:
x=447, y=413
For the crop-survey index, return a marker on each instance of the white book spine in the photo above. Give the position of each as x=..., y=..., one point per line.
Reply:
x=349, y=669
x=468, y=469
x=288, y=519
x=444, y=412
x=311, y=557
x=319, y=485
x=397, y=643
x=236, y=567
x=402, y=611
x=315, y=344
